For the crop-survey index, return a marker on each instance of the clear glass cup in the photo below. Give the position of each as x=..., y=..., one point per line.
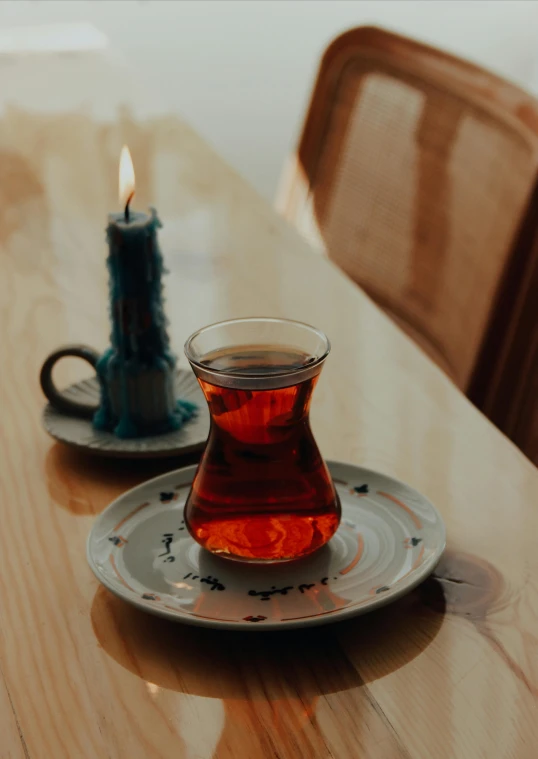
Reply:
x=262, y=491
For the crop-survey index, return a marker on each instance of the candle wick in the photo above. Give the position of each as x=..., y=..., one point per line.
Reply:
x=127, y=212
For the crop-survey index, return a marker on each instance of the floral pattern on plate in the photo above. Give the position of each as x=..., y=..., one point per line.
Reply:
x=390, y=539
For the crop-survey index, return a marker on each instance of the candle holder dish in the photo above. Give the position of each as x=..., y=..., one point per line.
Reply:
x=78, y=431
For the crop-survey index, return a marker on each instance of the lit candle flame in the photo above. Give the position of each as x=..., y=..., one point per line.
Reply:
x=127, y=179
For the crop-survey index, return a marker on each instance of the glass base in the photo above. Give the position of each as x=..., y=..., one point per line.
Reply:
x=266, y=538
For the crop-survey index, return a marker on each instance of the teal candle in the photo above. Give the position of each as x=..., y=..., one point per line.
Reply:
x=136, y=373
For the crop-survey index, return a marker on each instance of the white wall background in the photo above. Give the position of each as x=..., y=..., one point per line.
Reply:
x=240, y=71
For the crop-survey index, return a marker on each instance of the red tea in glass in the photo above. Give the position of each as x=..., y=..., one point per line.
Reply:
x=262, y=492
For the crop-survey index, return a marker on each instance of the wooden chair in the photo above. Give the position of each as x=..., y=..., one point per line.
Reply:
x=508, y=395
x=414, y=173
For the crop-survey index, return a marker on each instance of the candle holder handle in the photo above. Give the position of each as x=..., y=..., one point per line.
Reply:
x=55, y=397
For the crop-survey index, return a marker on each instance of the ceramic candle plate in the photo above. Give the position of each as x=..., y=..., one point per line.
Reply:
x=80, y=433
x=389, y=540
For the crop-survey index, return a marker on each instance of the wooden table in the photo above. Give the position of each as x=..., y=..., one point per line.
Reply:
x=449, y=671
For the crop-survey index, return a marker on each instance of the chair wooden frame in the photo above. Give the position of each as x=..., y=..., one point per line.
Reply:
x=503, y=357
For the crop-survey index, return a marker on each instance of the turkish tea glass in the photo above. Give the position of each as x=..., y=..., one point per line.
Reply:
x=262, y=492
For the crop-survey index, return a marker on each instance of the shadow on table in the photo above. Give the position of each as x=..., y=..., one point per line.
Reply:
x=270, y=683
x=217, y=663
x=85, y=484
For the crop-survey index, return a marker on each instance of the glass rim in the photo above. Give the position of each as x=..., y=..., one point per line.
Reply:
x=288, y=373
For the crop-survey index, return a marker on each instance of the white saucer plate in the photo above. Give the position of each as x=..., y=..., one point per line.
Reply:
x=389, y=540
x=80, y=433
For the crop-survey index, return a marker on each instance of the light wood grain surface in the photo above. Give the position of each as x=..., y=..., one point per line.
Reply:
x=450, y=671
